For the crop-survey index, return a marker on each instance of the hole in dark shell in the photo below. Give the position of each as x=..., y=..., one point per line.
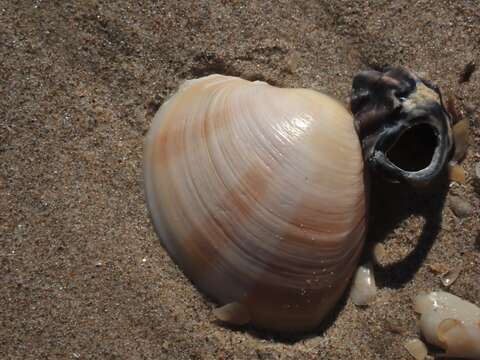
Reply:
x=414, y=150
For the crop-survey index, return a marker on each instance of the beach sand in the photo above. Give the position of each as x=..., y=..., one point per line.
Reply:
x=82, y=272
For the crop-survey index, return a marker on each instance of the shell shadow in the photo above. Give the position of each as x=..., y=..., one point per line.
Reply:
x=390, y=205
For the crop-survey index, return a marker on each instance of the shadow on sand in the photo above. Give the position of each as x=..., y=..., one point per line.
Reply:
x=390, y=205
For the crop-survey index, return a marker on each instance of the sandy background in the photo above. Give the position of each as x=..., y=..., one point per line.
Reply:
x=82, y=273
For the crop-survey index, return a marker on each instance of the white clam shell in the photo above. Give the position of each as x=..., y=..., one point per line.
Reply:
x=258, y=194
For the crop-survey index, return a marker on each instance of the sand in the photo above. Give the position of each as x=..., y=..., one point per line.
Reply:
x=82, y=273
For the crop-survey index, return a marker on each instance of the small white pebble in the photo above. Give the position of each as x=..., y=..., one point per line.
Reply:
x=364, y=289
x=233, y=313
x=416, y=348
x=451, y=323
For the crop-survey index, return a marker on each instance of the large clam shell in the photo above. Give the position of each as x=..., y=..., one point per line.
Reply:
x=258, y=194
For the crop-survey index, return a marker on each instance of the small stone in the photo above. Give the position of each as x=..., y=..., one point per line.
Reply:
x=416, y=348
x=460, y=207
x=477, y=171
x=451, y=276
x=456, y=173
x=469, y=108
x=438, y=268
x=379, y=253
x=233, y=313
x=364, y=289
x=394, y=328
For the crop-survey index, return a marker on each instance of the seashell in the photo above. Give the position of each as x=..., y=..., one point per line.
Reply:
x=405, y=129
x=241, y=168
x=259, y=193
x=451, y=323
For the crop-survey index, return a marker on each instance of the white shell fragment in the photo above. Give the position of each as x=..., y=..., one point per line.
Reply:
x=416, y=348
x=364, y=288
x=258, y=194
x=233, y=313
x=451, y=276
x=451, y=323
